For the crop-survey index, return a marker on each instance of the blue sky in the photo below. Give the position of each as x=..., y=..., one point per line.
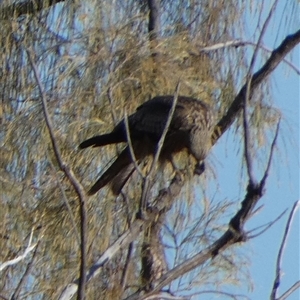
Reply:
x=283, y=182
x=282, y=192
x=282, y=188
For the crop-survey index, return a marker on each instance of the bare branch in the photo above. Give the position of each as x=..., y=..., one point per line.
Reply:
x=112, y=106
x=154, y=18
x=292, y=289
x=281, y=250
x=221, y=293
x=166, y=296
x=247, y=145
x=132, y=154
x=16, y=293
x=266, y=226
x=152, y=248
x=143, y=202
x=126, y=266
x=66, y=202
x=20, y=257
x=263, y=30
x=234, y=234
x=164, y=133
x=240, y=43
x=276, y=57
x=271, y=153
x=163, y=204
x=70, y=175
x=121, y=243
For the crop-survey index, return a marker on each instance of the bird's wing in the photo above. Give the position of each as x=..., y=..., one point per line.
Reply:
x=151, y=117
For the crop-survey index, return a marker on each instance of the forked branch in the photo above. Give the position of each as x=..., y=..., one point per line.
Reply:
x=69, y=174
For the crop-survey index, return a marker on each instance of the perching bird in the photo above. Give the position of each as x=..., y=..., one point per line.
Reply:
x=191, y=127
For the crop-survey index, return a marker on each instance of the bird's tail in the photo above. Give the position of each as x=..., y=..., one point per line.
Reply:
x=120, y=180
x=102, y=140
x=120, y=166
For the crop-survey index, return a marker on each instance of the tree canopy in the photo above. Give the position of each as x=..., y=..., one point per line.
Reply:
x=71, y=70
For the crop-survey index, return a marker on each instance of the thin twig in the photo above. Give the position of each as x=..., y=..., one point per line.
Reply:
x=131, y=150
x=124, y=240
x=166, y=296
x=269, y=66
x=234, y=234
x=247, y=146
x=70, y=175
x=125, y=271
x=239, y=43
x=292, y=289
x=281, y=250
x=271, y=153
x=25, y=275
x=263, y=30
x=66, y=202
x=126, y=266
x=112, y=107
x=165, y=131
x=131, y=234
x=265, y=227
x=146, y=183
x=14, y=261
x=219, y=294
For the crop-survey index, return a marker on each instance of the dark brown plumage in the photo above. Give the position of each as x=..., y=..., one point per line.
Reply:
x=191, y=127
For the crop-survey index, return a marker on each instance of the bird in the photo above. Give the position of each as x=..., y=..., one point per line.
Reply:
x=190, y=128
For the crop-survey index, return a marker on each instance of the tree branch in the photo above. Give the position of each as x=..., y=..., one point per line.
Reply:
x=29, y=267
x=292, y=289
x=281, y=250
x=164, y=202
x=14, y=261
x=276, y=57
x=71, y=177
x=247, y=135
x=148, y=178
x=154, y=21
x=240, y=43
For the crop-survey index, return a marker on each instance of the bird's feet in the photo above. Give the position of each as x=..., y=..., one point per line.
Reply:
x=199, y=168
